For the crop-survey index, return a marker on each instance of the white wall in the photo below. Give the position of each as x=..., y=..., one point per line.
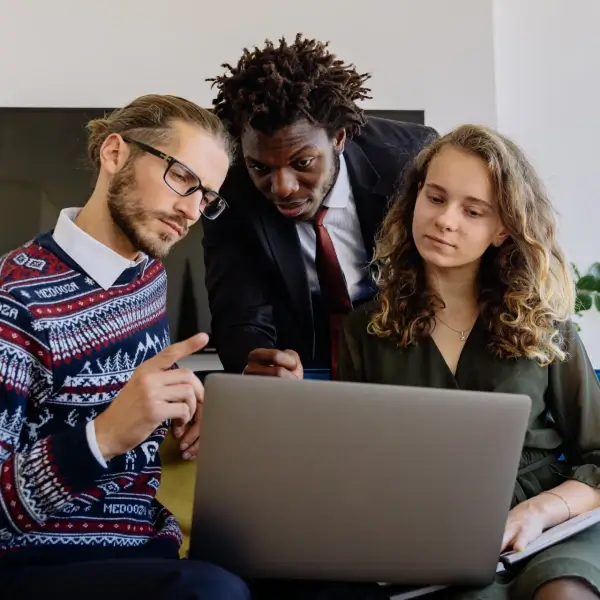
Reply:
x=528, y=66
x=427, y=54
x=547, y=61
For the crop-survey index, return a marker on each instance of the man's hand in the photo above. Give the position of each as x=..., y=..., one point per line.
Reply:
x=274, y=363
x=190, y=438
x=154, y=394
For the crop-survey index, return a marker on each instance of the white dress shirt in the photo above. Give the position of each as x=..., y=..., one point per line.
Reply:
x=343, y=226
x=101, y=263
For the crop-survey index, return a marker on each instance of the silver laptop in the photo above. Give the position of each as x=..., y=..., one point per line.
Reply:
x=355, y=482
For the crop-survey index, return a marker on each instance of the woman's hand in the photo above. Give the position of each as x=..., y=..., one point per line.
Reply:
x=525, y=523
x=528, y=520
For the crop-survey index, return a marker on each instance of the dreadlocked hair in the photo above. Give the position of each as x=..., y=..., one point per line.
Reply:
x=273, y=87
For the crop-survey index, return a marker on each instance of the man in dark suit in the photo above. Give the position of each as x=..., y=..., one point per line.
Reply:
x=307, y=196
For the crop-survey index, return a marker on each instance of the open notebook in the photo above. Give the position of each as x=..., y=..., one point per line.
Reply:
x=508, y=559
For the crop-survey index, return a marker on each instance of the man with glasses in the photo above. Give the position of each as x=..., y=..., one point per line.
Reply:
x=89, y=382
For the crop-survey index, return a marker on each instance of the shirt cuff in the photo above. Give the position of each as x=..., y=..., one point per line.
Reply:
x=90, y=432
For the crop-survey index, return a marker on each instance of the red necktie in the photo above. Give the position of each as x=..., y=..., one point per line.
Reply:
x=332, y=283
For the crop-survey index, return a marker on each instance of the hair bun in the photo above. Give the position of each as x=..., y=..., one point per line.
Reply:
x=98, y=126
x=97, y=132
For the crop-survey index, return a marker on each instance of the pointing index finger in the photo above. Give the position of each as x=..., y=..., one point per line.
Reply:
x=171, y=354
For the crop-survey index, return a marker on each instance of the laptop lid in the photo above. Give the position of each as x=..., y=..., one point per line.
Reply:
x=355, y=482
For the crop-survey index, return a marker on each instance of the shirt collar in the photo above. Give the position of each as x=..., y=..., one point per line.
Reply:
x=101, y=263
x=341, y=192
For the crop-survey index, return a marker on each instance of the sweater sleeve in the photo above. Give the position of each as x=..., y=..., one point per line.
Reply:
x=36, y=479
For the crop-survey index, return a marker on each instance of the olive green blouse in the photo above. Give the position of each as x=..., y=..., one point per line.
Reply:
x=565, y=416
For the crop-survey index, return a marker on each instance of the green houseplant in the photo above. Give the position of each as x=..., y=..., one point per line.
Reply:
x=587, y=288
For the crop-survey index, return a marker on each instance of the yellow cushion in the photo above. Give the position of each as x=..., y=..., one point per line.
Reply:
x=177, y=487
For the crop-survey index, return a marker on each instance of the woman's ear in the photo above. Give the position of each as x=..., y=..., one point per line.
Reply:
x=500, y=238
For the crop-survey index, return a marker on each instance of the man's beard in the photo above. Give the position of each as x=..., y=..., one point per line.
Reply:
x=325, y=189
x=129, y=215
x=333, y=175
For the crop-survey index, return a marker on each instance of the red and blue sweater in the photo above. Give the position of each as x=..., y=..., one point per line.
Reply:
x=67, y=347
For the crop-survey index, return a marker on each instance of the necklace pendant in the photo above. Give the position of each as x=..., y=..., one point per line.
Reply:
x=462, y=336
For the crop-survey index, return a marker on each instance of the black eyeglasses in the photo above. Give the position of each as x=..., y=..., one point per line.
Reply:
x=183, y=181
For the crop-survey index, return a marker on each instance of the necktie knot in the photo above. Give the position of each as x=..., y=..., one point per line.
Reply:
x=320, y=216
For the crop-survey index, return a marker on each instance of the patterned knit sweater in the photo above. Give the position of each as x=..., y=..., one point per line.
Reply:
x=66, y=349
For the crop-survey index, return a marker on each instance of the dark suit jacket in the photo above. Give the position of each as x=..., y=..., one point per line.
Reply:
x=255, y=275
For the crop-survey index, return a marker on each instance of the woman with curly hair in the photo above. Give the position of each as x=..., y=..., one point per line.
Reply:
x=474, y=293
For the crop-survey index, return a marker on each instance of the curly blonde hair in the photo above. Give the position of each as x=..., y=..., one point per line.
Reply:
x=525, y=286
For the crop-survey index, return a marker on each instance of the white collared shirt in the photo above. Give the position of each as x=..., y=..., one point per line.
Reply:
x=343, y=226
x=101, y=263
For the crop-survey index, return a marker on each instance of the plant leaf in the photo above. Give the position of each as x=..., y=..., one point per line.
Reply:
x=594, y=270
x=583, y=301
x=597, y=301
x=587, y=283
x=575, y=270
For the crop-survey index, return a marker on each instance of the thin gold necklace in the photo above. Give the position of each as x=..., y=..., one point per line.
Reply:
x=463, y=337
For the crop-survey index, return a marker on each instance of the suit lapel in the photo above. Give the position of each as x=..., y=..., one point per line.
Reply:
x=370, y=193
x=284, y=243
x=281, y=239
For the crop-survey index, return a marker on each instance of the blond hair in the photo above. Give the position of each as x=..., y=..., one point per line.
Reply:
x=148, y=119
x=525, y=286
